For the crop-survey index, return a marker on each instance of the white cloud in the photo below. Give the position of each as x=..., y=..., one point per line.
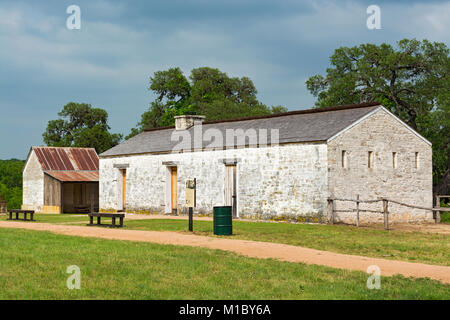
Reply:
x=431, y=21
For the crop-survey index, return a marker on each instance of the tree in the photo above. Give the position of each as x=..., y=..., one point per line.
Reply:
x=208, y=92
x=80, y=125
x=412, y=80
x=11, y=182
x=436, y=127
x=11, y=172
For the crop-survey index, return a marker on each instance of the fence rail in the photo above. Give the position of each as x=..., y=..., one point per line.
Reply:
x=438, y=206
x=385, y=211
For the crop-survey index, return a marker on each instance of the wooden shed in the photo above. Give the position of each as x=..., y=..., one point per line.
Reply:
x=61, y=180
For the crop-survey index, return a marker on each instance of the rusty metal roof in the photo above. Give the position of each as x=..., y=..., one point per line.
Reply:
x=62, y=158
x=74, y=176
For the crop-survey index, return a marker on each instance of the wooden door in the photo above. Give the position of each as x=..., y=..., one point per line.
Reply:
x=173, y=190
x=231, y=188
x=124, y=188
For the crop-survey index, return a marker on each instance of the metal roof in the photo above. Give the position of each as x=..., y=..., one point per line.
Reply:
x=74, y=176
x=295, y=126
x=64, y=158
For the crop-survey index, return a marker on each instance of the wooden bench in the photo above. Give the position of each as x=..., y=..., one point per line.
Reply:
x=113, y=216
x=25, y=213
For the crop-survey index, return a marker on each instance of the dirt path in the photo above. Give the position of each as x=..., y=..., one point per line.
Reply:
x=408, y=227
x=254, y=249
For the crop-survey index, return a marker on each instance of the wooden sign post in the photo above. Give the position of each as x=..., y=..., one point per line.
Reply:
x=190, y=191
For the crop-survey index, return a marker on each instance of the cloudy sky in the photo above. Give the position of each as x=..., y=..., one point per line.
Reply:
x=107, y=63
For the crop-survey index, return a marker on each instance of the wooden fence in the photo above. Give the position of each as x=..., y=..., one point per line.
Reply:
x=438, y=206
x=385, y=211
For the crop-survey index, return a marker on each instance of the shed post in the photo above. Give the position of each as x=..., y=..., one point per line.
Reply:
x=61, y=210
x=92, y=197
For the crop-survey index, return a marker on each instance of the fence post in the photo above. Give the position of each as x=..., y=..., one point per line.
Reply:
x=331, y=210
x=385, y=211
x=357, y=210
x=438, y=213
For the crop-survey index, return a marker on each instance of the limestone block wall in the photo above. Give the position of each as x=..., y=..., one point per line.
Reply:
x=275, y=182
x=404, y=181
x=33, y=185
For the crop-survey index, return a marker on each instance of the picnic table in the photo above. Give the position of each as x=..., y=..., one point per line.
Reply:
x=24, y=212
x=113, y=217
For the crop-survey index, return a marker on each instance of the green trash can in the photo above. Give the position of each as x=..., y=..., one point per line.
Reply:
x=223, y=221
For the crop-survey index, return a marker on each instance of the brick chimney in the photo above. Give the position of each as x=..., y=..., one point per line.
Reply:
x=187, y=121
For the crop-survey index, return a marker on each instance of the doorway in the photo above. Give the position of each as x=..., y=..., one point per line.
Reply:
x=124, y=189
x=231, y=188
x=173, y=190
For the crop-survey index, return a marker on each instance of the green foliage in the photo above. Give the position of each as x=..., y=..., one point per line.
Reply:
x=96, y=137
x=11, y=182
x=11, y=172
x=80, y=125
x=445, y=215
x=209, y=92
x=412, y=80
x=13, y=196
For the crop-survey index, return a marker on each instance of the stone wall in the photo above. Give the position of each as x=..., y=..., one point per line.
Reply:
x=33, y=185
x=275, y=182
x=382, y=134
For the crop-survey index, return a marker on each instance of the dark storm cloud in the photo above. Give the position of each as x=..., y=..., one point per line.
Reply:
x=278, y=44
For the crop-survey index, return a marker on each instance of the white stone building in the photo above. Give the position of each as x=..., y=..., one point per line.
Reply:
x=60, y=180
x=281, y=166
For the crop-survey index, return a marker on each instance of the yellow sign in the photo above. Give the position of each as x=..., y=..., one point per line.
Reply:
x=190, y=193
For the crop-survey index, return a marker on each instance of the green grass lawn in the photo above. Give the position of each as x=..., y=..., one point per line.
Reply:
x=394, y=244
x=81, y=218
x=33, y=266
x=445, y=215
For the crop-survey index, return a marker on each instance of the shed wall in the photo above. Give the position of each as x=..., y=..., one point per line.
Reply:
x=33, y=184
x=52, y=192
